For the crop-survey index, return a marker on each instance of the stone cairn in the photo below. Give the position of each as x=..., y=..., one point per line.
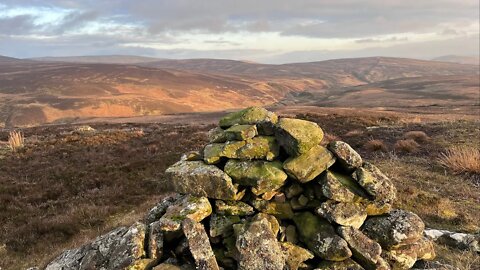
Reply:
x=265, y=194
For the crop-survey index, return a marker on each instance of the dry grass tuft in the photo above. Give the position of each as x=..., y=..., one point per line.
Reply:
x=461, y=159
x=406, y=146
x=416, y=135
x=375, y=146
x=353, y=133
x=328, y=137
x=15, y=140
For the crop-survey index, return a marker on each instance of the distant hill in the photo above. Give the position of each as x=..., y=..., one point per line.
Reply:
x=36, y=92
x=470, y=60
x=100, y=59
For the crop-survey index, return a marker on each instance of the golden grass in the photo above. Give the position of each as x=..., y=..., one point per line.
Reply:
x=416, y=135
x=407, y=146
x=15, y=140
x=375, y=146
x=461, y=159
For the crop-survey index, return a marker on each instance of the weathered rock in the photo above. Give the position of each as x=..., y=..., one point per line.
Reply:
x=199, y=245
x=279, y=210
x=191, y=156
x=119, y=249
x=399, y=227
x=293, y=190
x=376, y=208
x=233, y=208
x=365, y=250
x=274, y=224
x=463, y=241
x=188, y=207
x=198, y=179
x=257, y=246
x=405, y=256
x=230, y=148
x=241, y=132
x=249, y=116
x=297, y=136
x=213, y=153
x=426, y=265
x=375, y=183
x=221, y=225
x=320, y=237
x=347, y=158
x=295, y=255
x=291, y=234
x=310, y=164
x=217, y=135
x=341, y=188
x=264, y=176
x=167, y=266
x=155, y=241
x=159, y=209
x=346, y=214
x=262, y=147
x=347, y=264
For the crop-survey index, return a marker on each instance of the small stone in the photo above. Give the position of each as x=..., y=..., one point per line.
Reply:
x=295, y=255
x=280, y=197
x=241, y=132
x=375, y=208
x=291, y=234
x=274, y=224
x=341, y=188
x=293, y=190
x=222, y=225
x=212, y=153
x=199, y=245
x=199, y=179
x=216, y=135
x=279, y=210
x=346, y=214
x=257, y=246
x=348, y=158
x=297, y=136
x=191, y=156
x=321, y=238
x=375, y=183
x=159, y=210
x=188, y=207
x=264, y=176
x=310, y=164
x=399, y=227
x=302, y=200
x=267, y=195
x=365, y=250
x=347, y=264
x=233, y=208
x=167, y=266
x=249, y=116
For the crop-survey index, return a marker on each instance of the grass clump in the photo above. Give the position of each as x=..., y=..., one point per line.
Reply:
x=406, y=146
x=416, y=135
x=15, y=140
x=375, y=146
x=461, y=160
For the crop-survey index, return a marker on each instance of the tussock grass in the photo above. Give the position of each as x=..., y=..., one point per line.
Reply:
x=15, y=140
x=416, y=135
x=461, y=160
x=407, y=146
x=375, y=146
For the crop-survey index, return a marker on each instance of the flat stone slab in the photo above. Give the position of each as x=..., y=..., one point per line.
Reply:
x=309, y=165
x=199, y=245
x=188, y=207
x=297, y=136
x=248, y=116
x=365, y=250
x=341, y=213
x=348, y=158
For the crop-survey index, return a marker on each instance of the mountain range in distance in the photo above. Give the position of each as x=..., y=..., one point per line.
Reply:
x=62, y=89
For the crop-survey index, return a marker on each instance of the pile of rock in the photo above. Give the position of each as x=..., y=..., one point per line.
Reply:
x=265, y=194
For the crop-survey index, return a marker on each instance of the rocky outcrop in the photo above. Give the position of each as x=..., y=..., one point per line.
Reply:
x=264, y=194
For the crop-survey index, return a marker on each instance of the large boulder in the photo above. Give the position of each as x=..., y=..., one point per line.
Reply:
x=200, y=179
x=297, y=136
x=321, y=238
x=399, y=227
x=310, y=164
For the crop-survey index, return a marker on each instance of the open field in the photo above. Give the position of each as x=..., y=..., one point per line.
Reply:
x=67, y=185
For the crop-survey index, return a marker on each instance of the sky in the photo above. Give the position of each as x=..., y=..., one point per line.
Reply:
x=267, y=31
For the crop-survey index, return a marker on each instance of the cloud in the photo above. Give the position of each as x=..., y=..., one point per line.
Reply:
x=17, y=24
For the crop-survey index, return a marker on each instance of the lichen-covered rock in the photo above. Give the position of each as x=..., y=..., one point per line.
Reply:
x=347, y=158
x=297, y=136
x=233, y=208
x=347, y=264
x=365, y=250
x=216, y=135
x=310, y=164
x=155, y=241
x=199, y=245
x=221, y=225
x=159, y=209
x=376, y=208
x=293, y=190
x=320, y=237
x=264, y=176
x=248, y=116
x=191, y=156
x=199, y=179
x=463, y=241
x=426, y=265
x=262, y=147
x=241, y=132
x=188, y=207
x=405, y=256
x=121, y=248
x=341, y=188
x=213, y=153
x=295, y=255
x=399, y=227
x=341, y=213
x=257, y=246
x=279, y=210
x=375, y=183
